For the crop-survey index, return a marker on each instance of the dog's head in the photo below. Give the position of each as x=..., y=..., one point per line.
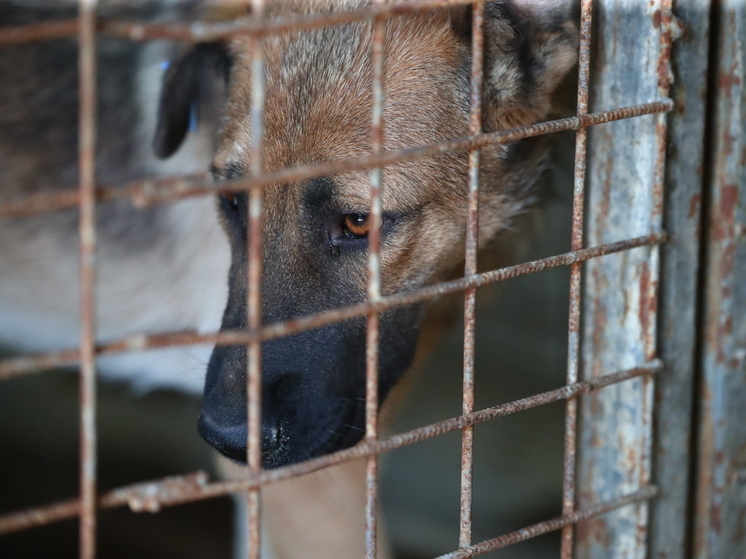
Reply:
x=318, y=108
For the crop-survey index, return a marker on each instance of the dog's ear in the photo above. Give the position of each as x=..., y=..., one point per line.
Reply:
x=188, y=84
x=529, y=46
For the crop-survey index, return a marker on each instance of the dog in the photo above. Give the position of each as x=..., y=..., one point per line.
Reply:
x=162, y=268
x=318, y=108
x=165, y=268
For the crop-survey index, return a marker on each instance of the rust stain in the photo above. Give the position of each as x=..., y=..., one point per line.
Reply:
x=647, y=304
x=664, y=66
x=594, y=530
x=723, y=221
x=694, y=205
x=728, y=202
x=719, y=458
x=728, y=326
x=631, y=463
x=735, y=363
x=657, y=19
x=716, y=518
x=728, y=142
x=730, y=79
x=726, y=268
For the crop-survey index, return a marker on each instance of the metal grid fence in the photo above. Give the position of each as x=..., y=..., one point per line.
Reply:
x=171, y=491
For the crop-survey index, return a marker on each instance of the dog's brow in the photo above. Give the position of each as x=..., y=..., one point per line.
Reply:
x=231, y=171
x=319, y=190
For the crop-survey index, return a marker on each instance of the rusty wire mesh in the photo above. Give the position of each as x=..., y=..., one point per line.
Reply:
x=154, y=495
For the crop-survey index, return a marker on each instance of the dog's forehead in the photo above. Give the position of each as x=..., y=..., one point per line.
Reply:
x=318, y=91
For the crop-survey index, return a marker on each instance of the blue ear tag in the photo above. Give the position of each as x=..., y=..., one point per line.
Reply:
x=193, y=118
x=165, y=64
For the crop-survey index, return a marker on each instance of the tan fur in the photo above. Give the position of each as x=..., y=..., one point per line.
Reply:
x=315, y=113
x=317, y=516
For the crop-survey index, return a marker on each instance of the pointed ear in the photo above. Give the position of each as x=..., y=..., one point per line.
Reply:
x=188, y=83
x=529, y=46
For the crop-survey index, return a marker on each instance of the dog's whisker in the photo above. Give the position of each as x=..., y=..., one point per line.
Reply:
x=193, y=357
x=354, y=427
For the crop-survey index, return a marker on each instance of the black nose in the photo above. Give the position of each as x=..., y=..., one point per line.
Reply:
x=271, y=439
x=230, y=439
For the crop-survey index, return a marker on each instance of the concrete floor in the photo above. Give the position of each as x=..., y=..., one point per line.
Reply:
x=521, y=350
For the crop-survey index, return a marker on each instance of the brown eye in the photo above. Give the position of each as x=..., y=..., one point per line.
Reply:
x=230, y=198
x=356, y=225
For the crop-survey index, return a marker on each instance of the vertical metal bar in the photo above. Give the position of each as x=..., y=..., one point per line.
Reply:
x=374, y=290
x=625, y=180
x=576, y=270
x=650, y=288
x=650, y=321
x=87, y=172
x=677, y=336
x=254, y=286
x=470, y=268
x=720, y=513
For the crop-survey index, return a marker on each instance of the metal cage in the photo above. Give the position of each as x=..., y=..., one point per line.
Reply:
x=657, y=341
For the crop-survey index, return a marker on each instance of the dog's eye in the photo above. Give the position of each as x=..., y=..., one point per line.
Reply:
x=355, y=226
x=230, y=198
x=232, y=171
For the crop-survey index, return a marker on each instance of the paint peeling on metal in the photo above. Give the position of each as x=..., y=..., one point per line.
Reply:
x=720, y=509
x=625, y=197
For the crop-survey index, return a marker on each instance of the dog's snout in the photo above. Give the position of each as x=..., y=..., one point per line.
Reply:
x=230, y=438
x=271, y=438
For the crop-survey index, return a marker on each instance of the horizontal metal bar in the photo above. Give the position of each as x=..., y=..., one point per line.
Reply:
x=152, y=496
x=140, y=497
x=202, y=31
x=146, y=192
x=212, y=31
x=10, y=368
x=32, y=32
x=558, y=523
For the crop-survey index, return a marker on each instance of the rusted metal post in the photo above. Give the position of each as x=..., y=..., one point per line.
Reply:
x=374, y=288
x=87, y=178
x=720, y=522
x=625, y=198
x=677, y=336
x=470, y=268
x=576, y=270
x=254, y=293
